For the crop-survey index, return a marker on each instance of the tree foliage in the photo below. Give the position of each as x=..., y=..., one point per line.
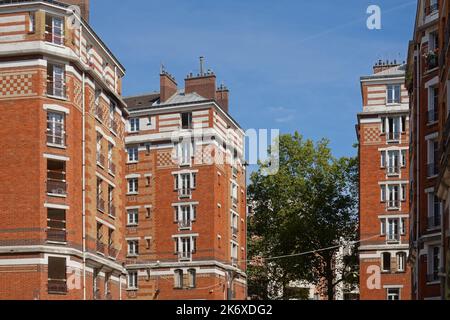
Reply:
x=310, y=204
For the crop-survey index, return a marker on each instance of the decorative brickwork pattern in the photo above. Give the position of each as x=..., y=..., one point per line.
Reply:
x=16, y=84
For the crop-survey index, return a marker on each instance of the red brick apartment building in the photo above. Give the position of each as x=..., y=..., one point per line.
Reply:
x=422, y=80
x=384, y=179
x=62, y=191
x=186, y=197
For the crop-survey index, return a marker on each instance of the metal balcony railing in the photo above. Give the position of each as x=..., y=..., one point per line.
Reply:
x=185, y=224
x=112, y=210
x=112, y=252
x=101, y=159
x=111, y=167
x=184, y=193
x=393, y=237
x=184, y=256
x=57, y=286
x=393, y=170
x=432, y=61
x=100, y=247
x=56, y=187
x=55, y=38
x=393, y=136
x=393, y=204
x=56, y=235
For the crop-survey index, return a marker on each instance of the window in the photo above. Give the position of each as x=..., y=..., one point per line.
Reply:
x=185, y=152
x=111, y=165
x=185, y=183
x=404, y=158
x=386, y=262
x=56, y=85
x=434, y=211
x=433, y=104
x=132, y=280
x=191, y=278
x=100, y=156
x=185, y=247
x=433, y=158
x=133, y=217
x=133, y=154
x=112, y=109
x=234, y=223
x=383, y=159
x=393, y=162
x=401, y=262
x=234, y=193
x=134, y=125
x=133, y=187
x=100, y=243
x=185, y=215
x=393, y=294
x=56, y=133
x=32, y=22
x=434, y=263
x=178, y=278
x=392, y=195
x=56, y=178
x=393, y=94
x=393, y=128
x=54, y=29
x=133, y=247
x=234, y=253
x=111, y=206
x=57, y=275
x=100, y=199
x=186, y=120
x=56, y=225
x=383, y=227
x=393, y=234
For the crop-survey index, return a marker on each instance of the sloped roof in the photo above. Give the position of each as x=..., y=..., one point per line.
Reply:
x=181, y=97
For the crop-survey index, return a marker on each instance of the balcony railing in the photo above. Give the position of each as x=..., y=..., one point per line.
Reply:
x=56, y=235
x=432, y=116
x=393, y=205
x=56, y=89
x=57, y=286
x=185, y=224
x=56, y=138
x=393, y=170
x=100, y=247
x=54, y=37
x=432, y=169
x=184, y=255
x=393, y=136
x=56, y=187
x=112, y=252
x=393, y=238
x=434, y=222
x=184, y=193
x=431, y=9
x=100, y=204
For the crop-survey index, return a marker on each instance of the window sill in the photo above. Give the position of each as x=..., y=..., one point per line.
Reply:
x=51, y=145
x=100, y=165
x=57, y=97
x=132, y=289
x=132, y=162
x=57, y=243
x=433, y=283
x=132, y=256
x=57, y=195
x=132, y=225
x=132, y=194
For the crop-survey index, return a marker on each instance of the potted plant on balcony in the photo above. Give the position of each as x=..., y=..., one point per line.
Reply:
x=431, y=58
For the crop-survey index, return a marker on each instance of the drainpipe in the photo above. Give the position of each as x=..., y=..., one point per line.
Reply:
x=84, y=182
x=416, y=274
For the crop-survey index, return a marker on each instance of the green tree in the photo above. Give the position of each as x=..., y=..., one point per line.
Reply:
x=310, y=204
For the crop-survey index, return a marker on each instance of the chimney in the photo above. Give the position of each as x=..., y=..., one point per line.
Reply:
x=204, y=83
x=168, y=85
x=222, y=97
x=83, y=4
x=381, y=66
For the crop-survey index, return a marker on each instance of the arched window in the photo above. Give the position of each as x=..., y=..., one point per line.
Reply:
x=178, y=279
x=386, y=262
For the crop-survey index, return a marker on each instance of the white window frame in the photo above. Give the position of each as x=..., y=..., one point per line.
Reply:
x=392, y=295
x=133, y=247
x=133, y=279
x=401, y=261
x=133, y=217
x=133, y=185
x=134, y=125
x=392, y=89
x=133, y=154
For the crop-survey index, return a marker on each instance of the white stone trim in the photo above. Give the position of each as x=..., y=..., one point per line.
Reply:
x=56, y=206
x=57, y=108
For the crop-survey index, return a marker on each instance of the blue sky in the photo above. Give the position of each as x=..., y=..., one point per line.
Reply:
x=292, y=65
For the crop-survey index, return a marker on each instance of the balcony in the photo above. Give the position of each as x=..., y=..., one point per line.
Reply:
x=432, y=116
x=393, y=137
x=56, y=235
x=185, y=224
x=393, y=170
x=434, y=222
x=432, y=170
x=185, y=256
x=56, y=187
x=56, y=89
x=58, y=139
x=57, y=286
x=101, y=205
x=101, y=247
x=101, y=160
x=393, y=205
x=432, y=60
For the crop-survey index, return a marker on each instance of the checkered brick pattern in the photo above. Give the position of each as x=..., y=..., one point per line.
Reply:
x=13, y=85
x=372, y=135
x=77, y=92
x=165, y=159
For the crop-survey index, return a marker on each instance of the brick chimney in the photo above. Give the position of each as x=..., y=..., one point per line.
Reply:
x=204, y=83
x=222, y=97
x=381, y=66
x=83, y=4
x=168, y=85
